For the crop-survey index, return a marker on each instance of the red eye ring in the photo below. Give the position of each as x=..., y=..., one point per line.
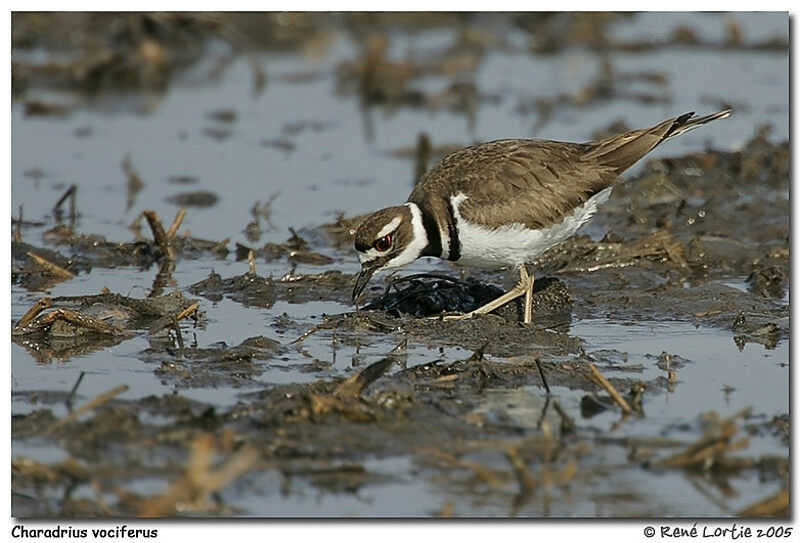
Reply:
x=383, y=243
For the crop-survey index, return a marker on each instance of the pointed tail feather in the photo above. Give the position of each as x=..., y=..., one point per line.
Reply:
x=687, y=122
x=622, y=151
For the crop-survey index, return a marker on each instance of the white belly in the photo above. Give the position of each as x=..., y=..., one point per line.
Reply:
x=515, y=244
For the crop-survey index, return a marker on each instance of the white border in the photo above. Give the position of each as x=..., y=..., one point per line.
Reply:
x=390, y=531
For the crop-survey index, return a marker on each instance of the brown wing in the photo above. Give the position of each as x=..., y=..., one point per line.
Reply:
x=535, y=182
x=531, y=182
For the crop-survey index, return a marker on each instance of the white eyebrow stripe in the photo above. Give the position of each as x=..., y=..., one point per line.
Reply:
x=389, y=228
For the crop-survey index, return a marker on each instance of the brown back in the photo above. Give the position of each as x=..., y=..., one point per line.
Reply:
x=532, y=182
x=537, y=182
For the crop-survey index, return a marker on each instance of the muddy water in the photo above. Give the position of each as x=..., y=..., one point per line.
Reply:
x=319, y=153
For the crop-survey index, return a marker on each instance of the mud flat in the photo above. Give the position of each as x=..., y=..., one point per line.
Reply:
x=185, y=345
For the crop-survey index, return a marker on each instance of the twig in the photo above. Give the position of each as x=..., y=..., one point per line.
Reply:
x=355, y=385
x=544, y=412
x=143, y=307
x=241, y=462
x=700, y=485
x=31, y=313
x=163, y=278
x=50, y=267
x=447, y=510
x=20, y=221
x=178, y=334
x=88, y=406
x=477, y=355
x=176, y=223
x=223, y=244
x=710, y=448
x=615, y=395
x=188, y=311
x=265, y=209
x=134, y=184
x=308, y=332
x=484, y=473
x=79, y=319
x=72, y=392
x=72, y=317
x=99, y=498
x=422, y=156
x=159, y=236
x=193, y=488
x=136, y=228
x=70, y=193
x=541, y=372
x=674, y=251
x=555, y=325
x=526, y=482
x=18, y=229
x=707, y=448
x=167, y=320
x=597, y=267
x=776, y=505
x=567, y=424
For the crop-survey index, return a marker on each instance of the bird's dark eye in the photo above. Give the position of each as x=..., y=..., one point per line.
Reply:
x=384, y=243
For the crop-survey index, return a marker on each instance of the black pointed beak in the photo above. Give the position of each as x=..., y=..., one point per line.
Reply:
x=361, y=281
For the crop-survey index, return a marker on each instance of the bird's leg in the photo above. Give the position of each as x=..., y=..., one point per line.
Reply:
x=525, y=286
x=527, y=279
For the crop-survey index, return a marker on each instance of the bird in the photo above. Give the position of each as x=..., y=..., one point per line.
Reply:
x=501, y=204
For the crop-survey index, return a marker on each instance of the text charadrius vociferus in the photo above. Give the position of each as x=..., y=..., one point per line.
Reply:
x=503, y=203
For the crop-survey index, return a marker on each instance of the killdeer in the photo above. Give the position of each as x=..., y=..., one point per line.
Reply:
x=503, y=203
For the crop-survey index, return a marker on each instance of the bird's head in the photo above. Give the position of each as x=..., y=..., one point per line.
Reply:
x=388, y=238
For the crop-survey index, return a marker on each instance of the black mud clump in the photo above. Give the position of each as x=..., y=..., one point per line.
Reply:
x=427, y=295
x=199, y=198
x=93, y=250
x=476, y=374
x=218, y=365
x=492, y=334
x=68, y=326
x=763, y=328
x=252, y=290
x=425, y=298
x=332, y=285
x=295, y=249
x=248, y=289
x=22, y=252
x=39, y=268
x=768, y=281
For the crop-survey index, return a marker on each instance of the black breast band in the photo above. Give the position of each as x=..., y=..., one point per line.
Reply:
x=454, y=252
x=434, y=247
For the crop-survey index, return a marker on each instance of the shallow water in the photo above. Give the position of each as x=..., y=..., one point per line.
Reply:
x=756, y=376
x=341, y=161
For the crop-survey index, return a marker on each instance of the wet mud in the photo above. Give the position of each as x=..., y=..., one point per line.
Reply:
x=484, y=416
